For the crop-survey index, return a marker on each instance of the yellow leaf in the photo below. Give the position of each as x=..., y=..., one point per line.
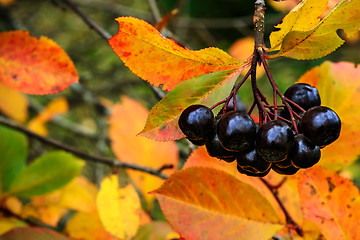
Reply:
x=118, y=208
x=301, y=18
x=56, y=107
x=78, y=195
x=318, y=41
x=13, y=103
x=127, y=119
x=7, y=224
x=87, y=226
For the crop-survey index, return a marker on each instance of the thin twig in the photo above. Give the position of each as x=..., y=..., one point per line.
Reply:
x=289, y=220
x=107, y=161
x=87, y=20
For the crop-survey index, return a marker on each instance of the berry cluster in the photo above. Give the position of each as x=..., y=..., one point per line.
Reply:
x=286, y=143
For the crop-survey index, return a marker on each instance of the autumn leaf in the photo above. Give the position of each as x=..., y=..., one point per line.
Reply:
x=32, y=233
x=118, y=208
x=7, y=223
x=283, y=6
x=155, y=230
x=56, y=107
x=205, y=203
x=163, y=22
x=243, y=48
x=162, y=61
x=6, y=2
x=339, y=87
x=87, y=226
x=331, y=202
x=303, y=36
x=13, y=103
x=34, y=66
x=200, y=158
x=162, y=122
x=78, y=195
x=126, y=120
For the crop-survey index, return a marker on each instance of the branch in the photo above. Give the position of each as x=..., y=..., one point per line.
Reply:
x=289, y=219
x=87, y=20
x=115, y=163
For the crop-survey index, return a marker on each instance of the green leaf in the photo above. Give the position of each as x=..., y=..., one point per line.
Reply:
x=47, y=173
x=32, y=233
x=13, y=152
x=208, y=89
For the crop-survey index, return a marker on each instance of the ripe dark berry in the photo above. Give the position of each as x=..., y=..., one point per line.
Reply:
x=196, y=122
x=215, y=149
x=253, y=162
x=321, y=125
x=285, y=163
x=305, y=95
x=304, y=153
x=284, y=171
x=274, y=140
x=198, y=142
x=239, y=105
x=252, y=174
x=236, y=131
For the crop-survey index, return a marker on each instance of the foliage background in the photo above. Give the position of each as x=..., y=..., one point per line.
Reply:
x=199, y=24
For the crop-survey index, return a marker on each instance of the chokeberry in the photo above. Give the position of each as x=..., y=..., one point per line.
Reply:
x=321, y=125
x=304, y=95
x=274, y=140
x=236, y=131
x=304, y=153
x=250, y=173
x=284, y=171
x=215, y=149
x=196, y=122
x=253, y=162
x=198, y=142
x=285, y=163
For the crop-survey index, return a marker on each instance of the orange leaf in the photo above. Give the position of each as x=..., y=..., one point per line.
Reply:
x=118, y=208
x=156, y=230
x=87, y=226
x=13, y=103
x=200, y=158
x=34, y=66
x=205, y=203
x=165, y=20
x=56, y=107
x=243, y=48
x=6, y=2
x=338, y=85
x=331, y=202
x=127, y=119
x=163, y=61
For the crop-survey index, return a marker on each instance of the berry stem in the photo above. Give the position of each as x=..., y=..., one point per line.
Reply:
x=291, y=224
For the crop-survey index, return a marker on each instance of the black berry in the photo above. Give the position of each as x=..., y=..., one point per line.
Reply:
x=215, y=149
x=253, y=162
x=236, y=131
x=284, y=171
x=304, y=153
x=252, y=174
x=196, y=122
x=321, y=125
x=305, y=95
x=274, y=140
